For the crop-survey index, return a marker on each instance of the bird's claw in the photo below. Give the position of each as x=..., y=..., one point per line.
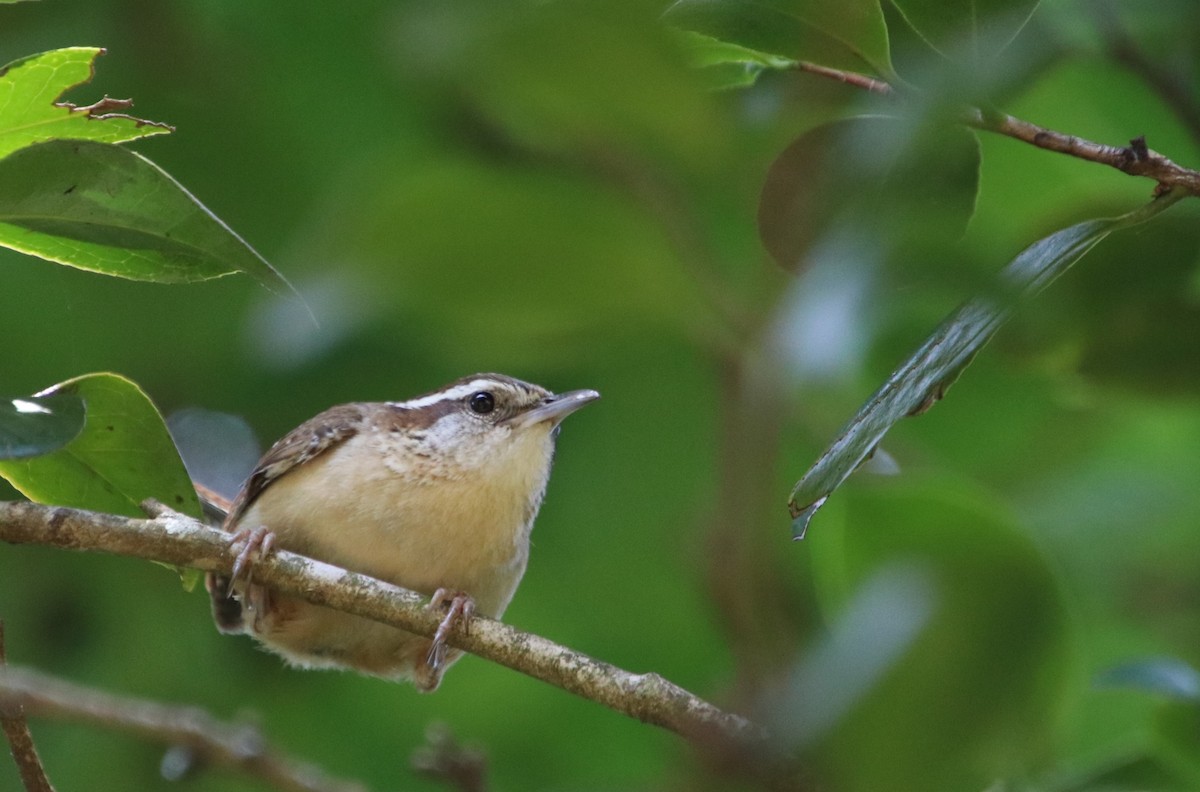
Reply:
x=258, y=541
x=459, y=609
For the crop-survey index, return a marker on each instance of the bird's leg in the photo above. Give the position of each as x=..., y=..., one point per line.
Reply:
x=256, y=545
x=459, y=609
x=254, y=541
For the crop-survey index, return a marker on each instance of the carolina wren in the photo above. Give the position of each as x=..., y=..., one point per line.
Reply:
x=436, y=494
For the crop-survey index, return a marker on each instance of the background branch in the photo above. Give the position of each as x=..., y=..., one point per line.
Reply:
x=1136, y=159
x=20, y=740
x=176, y=539
x=232, y=744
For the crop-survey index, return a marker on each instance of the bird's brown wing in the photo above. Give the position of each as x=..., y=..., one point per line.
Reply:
x=303, y=444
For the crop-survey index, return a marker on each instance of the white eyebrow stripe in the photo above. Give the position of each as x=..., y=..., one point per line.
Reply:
x=453, y=394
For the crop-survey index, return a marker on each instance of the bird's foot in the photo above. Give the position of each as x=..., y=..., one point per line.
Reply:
x=256, y=544
x=459, y=608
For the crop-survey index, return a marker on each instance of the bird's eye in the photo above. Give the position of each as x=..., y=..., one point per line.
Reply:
x=482, y=402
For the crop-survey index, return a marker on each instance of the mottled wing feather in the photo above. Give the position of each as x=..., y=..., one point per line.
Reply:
x=303, y=444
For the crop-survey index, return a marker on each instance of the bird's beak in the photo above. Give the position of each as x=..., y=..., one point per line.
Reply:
x=553, y=409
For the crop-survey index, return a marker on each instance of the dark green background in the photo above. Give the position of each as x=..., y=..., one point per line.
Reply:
x=550, y=192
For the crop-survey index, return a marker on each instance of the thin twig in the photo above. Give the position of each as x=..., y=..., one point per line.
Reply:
x=176, y=539
x=20, y=740
x=231, y=744
x=866, y=82
x=1136, y=159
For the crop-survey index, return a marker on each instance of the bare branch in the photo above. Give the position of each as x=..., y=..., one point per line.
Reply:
x=231, y=744
x=1135, y=159
x=175, y=539
x=20, y=740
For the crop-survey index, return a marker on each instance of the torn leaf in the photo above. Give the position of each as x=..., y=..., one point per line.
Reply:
x=31, y=113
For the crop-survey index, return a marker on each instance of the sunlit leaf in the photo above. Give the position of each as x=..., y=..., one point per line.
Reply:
x=29, y=114
x=981, y=27
x=926, y=375
x=1166, y=676
x=849, y=34
x=123, y=455
x=106, y=209
x=33, y=425
x=728, y=65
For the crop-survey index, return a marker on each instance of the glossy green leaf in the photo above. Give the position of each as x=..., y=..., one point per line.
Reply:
x=29, y=113
x=981, y=27
x=1166, y=676
x=926, y=375
x=33, y=425
x=106, y=209
x=850, y=34
x=905, y=180
x=123, y=455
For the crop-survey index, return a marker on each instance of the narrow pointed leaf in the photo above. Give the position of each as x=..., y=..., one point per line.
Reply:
x=106, y=209
x=33, y=425
x=926, y=375
x=30, y=88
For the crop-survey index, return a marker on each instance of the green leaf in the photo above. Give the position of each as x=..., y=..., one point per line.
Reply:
x=978, y=28
x=850, y=34
x=105, y=209
x=973, y=695
x=728, y=65
x=901, y=178
x=123, y=456
x=926, y=375
x=33, y=425
x=1165, y=676
x=29, y=114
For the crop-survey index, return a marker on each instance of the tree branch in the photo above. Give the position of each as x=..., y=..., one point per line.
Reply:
x=176, y=539
x=232, y=744
x=1135, y=159
x=20, y=740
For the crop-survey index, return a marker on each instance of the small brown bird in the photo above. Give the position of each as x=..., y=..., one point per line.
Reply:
x=436, y=494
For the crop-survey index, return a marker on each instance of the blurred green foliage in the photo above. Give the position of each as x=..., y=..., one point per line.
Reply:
x=553, y=191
